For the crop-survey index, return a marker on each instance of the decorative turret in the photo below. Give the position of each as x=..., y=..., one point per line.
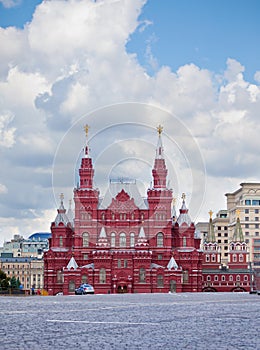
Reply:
x=61, y=216
x=184, y=218
x=211, y=232
x=159, y=169
x=86, y=171
x=238, y=247
x=238, y=235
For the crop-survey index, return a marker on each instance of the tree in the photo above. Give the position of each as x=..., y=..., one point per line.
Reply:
x=13, y=283
x=4, y=280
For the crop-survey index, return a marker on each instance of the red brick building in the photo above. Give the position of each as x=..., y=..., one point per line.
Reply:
x=123, y=243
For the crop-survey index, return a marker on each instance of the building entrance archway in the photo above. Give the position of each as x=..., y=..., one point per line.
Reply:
x=122, y=288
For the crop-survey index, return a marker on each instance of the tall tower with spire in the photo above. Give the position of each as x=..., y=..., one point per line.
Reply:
x=86, y=203
x=160, y=200
x=238, y=250
x=212, y=256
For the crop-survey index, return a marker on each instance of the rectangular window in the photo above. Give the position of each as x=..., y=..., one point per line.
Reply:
x=256, y=225
x=247, y=218
x=247, y=240
x=257, y=233
x=85, y=256
x=219, y=234
x=248, y=202
x=219, y=240
x=256, y=211
x=226, y=241
x=125, y=262
x=246, y=225
x=219, y=227
x=256, y=218
x=119, y=263
x=255, y=202
x=247, y=233
x=226, y=235
x=246, y=211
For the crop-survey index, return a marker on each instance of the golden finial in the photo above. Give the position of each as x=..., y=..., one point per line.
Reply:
x=86, y=128
x=238, y=213
x=159, y=129
x=61, y=196
x=210, y=214
x=183, y=196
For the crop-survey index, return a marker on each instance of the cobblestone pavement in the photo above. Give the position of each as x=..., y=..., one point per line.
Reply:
x=229, y=321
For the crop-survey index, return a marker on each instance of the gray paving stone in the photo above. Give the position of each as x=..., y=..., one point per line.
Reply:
x=224, y=321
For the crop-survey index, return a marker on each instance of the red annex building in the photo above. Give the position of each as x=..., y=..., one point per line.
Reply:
x=123, y=243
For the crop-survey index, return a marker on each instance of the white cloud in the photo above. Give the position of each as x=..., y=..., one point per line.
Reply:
x=3, y=189
x=71, y=61
x=7, y=137
x=10, y=3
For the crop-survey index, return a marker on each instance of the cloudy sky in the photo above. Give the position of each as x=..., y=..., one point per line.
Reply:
x=124, y=66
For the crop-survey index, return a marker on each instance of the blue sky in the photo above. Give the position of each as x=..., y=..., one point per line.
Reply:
x=200, y=31
x=194, y=64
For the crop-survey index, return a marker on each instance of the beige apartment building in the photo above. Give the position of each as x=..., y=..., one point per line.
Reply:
x=247, y=201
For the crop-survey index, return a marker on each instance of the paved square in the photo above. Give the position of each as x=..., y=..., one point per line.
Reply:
x=228, y=321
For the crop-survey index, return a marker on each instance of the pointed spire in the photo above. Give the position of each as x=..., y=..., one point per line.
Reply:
x=159, y=169
x=87, y=153
x=211, y=238
x=61, y=216
x=159, y=148
x=238, y=235
x=184, y=217
x=86, y=171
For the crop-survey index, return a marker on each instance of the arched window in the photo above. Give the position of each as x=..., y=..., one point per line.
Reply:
x=213, y=257
x=185, y=276
x=113, y=239
x=230, y=278
x=160, y=239
x=102, y=275
x=238, y=278
x=216, y=278
x=184, y=241
x=59, y=277
x=208, y=278
x=142, y=275
x=122, y=240
x=160, y=281
x=207, y=258
x=61, y=241
x=85, y=239
x=132, y=239
x=234, y=258
x=71, y=286
x=223, y=278
x=84, y=279
x=245, y=278
x=241, y=258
